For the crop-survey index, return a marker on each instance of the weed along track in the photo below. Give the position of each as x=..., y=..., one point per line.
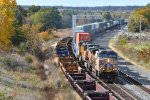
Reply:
x=87, y=85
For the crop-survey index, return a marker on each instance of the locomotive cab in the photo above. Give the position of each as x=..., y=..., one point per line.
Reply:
x=107, y=65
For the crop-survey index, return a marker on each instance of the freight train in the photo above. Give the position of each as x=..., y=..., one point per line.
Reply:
x=84, y=84
x=101, y=61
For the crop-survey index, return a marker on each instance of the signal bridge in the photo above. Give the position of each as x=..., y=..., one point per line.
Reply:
x=75, y=17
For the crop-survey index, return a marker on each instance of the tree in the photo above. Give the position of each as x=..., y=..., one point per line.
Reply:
x=19, y=35
x=34, y=9
x=67, y=19
x=6, y=19
x=148, y=5
x=106, y=16
x=134, y=21
x=20, y=13
x=48, y=18
x=33, y=41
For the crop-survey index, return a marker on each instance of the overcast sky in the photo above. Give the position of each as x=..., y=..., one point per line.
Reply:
x=83, y=2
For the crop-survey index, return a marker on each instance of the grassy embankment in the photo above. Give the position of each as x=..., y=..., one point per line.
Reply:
x=23, y=80
x=128, y=47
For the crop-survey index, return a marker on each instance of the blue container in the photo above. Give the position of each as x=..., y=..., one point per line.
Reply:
x=61, y=49
x=63, y=53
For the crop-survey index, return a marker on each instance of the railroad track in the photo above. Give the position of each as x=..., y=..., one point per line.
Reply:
x=130, y=80
x=117, y=90
x=124, y=94
x=104, y=32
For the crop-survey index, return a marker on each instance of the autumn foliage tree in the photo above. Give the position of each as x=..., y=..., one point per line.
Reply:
x=6, y=19
x=134, y=21
x=33, y=42
x=44, y=36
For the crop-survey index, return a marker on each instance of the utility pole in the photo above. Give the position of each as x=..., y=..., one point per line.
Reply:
x=140, y=30
x=128, y=24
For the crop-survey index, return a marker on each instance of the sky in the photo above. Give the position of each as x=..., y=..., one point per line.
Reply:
x=90, y=3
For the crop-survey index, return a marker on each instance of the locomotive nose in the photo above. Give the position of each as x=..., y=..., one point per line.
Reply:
x=108, y=65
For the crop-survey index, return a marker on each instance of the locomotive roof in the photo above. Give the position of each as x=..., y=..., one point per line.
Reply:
x=108, y=52
x=82, y=32
x=94, y=49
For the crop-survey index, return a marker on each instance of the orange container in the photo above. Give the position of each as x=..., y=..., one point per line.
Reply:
x=82, y=36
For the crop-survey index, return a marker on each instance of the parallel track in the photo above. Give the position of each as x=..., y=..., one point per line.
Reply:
x=124, y=94
x=130, y=80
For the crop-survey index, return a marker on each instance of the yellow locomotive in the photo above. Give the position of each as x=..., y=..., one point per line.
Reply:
x=102, y=62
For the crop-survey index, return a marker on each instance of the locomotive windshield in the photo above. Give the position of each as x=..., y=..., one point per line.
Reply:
x=90, y=45
x=112, y=54
x=108, y=54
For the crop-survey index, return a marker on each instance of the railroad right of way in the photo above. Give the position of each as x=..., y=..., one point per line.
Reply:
x=85, y=84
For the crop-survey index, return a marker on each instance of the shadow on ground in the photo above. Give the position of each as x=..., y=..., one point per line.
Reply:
x=125, y=67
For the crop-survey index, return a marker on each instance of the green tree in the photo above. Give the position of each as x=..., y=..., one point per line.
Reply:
x=34, y=9
x=107, y=16
x=47, y=18
x=67, y=19
x=20, y=13
x=19, y=35
x=148, y=5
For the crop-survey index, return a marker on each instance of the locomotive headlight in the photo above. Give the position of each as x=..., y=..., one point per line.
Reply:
x=103, y=69
x=114, y=69
x=108, y=60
